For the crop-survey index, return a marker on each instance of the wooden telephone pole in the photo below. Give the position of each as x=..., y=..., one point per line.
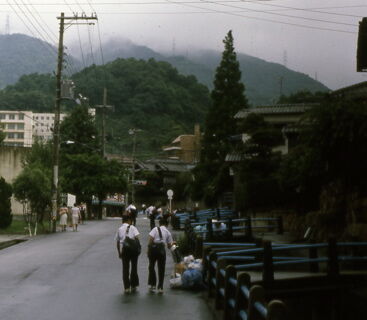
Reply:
x=56, y=133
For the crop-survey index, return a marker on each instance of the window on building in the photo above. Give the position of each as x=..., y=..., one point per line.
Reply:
x=21, y=116
x=20, y=126
x=42, y=118
x=20, y=135
x=11, y=135
x=11, y=126
x=37, y=118
x=11, y=116
x=2, y=116
x=48, y=118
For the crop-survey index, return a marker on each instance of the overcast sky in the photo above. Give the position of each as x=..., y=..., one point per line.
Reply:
x=315, y=37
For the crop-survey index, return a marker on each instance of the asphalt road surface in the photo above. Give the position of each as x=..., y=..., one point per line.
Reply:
x=77, y=276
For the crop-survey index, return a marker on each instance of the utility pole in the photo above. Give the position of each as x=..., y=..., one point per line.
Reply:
x=133, y=132
x=104, y=107
x=56, y=129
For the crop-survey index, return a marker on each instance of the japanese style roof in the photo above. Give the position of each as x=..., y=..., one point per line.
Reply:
x=358, y=90
x=295, y=108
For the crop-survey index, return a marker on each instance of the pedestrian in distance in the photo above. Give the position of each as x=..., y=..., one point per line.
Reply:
x=128, y=248
x=132, y=212
x=159, y=237
x=63, y=217
x=82, y=213
x=75, y=217
x=152, y=211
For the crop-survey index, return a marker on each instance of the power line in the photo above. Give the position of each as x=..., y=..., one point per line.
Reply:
x=302, y=9
x=268, y=20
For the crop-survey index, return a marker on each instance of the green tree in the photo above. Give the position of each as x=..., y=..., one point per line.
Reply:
x=33, y=185
x=259, y=186
x=34, y=182
x=212, y=174
x=5, y=207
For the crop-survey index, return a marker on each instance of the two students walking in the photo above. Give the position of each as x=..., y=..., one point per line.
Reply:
x=129, y=251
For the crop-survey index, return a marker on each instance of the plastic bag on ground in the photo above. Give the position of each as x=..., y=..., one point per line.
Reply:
x=175, y=282
x=192, y=279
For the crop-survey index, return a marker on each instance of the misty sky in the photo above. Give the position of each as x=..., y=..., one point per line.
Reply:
x=316, y=37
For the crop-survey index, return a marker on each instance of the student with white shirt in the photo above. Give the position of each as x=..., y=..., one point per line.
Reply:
x=158, y=238
x=130, y=279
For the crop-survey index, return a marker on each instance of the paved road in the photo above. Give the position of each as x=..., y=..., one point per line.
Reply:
x=77, y=275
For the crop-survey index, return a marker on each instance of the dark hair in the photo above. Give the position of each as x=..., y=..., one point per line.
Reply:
x=163, y=222
x=125, y=218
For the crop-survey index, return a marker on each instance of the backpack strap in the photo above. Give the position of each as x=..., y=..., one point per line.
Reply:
x=160, y=233
x=127, y=231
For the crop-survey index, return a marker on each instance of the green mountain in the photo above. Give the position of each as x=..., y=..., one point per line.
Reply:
x=147, y=95
x=264, y=81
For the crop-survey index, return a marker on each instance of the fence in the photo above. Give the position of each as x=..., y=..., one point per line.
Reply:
x=228, y=230
x=226, y=267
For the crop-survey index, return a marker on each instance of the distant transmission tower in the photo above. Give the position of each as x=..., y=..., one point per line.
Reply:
x=7, y=25
x=285, y=58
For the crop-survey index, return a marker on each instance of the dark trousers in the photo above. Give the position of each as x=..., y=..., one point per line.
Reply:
x=130, y=278
x=161, y=261
x=133, y=218
x=152, y=222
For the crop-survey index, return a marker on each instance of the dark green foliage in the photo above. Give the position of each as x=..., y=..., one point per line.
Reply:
x=33, y=183
x=258, y=183
x=84, y=171
x=148, y=95
x=5, y=207
x=333, y=144
x=79, y=133
x=212, y=175
x=34, y=92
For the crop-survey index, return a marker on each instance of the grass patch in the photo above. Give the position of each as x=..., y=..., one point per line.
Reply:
x=18, y=227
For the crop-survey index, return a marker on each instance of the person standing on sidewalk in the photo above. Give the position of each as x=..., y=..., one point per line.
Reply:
x=130, y=279
x=75, y=216
x=63, y=217
x=158, y=238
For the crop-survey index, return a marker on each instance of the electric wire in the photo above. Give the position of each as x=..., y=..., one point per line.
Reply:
x=269, y=20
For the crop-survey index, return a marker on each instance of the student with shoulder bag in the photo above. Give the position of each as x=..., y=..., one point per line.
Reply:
x=128, y=248
x=158, y=238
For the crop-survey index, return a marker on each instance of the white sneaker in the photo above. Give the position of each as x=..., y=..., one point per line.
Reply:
x=160, y=291
x=152, y=289
x=127, y=291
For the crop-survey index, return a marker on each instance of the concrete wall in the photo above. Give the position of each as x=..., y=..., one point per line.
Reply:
x=11, y=167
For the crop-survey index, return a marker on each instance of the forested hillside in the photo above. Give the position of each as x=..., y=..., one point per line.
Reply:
x=147, y=95
x=22, y=54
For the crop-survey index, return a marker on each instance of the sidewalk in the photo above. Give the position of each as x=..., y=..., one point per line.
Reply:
x=7, y=240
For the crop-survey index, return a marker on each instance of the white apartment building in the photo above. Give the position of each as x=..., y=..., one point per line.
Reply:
x=17, y=126
x=43, y=124
x=22, y=127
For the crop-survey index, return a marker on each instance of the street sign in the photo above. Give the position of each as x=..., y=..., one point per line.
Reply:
x=170, y=193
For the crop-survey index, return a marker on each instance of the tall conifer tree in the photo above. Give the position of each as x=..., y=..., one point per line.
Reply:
x=227, y=99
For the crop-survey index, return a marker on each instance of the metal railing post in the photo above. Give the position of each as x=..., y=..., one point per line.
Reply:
x=333, y=263
x=221, y=264
x=248, y=228
x=242, y=302
x=229, y=292
x=256, y=295
x=268, y=268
